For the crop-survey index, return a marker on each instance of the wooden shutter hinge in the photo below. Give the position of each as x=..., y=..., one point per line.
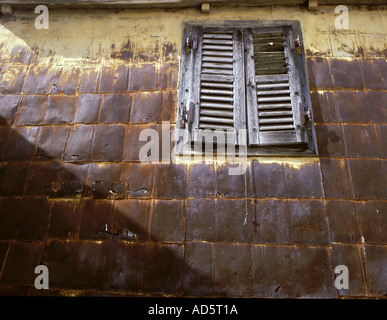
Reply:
x=295, y=42
x=182, y=117
x=187, y=116
x=305, y=114
x=191, y=43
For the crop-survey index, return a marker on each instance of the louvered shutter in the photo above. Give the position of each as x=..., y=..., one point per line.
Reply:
x=243, y=74
x=218, y=81
x=275, y=99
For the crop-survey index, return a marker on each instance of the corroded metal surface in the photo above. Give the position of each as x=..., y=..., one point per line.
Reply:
x=73, y=101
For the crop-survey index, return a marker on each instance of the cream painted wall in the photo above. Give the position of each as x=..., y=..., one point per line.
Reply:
x=94, y=37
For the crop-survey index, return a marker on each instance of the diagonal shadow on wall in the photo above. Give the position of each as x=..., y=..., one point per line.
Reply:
x=91, y=241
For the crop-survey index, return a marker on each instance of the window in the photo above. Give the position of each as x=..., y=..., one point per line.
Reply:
x=246, y=75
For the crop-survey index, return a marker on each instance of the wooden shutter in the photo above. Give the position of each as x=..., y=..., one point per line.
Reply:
x=218, y=81
x=274, y=93
x=250, y=75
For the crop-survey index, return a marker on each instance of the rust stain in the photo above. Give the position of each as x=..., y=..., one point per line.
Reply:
x=309, y=52
x=126, y=52
x=169, y=49
x=333, y=137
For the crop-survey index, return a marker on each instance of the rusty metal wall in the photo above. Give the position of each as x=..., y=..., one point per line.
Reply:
x=74, y=196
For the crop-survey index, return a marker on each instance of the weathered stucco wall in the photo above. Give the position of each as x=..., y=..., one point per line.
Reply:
x=77, y=36
x=73, y=100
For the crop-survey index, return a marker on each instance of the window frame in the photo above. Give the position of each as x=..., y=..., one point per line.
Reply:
x=189, y=90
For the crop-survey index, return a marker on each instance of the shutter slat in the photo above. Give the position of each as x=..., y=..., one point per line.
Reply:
x=216, y=105
x=217, y=36
x=274, y=113
x=217, y=78
x=217, y=65
x=217, y=85
x=214, y=126
x=273, y=86
x=272, y=92
x=272, y=78
x=217, y=42
x=274, y=106
x=215, y=47
x=217, y=98
x=217, y=71
x=216, y=120
x=276, y=127
x=217, y=59
x=212, y=91
x=217, y=53
x=217, y=113
x=276, y=120
x=273, y=99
